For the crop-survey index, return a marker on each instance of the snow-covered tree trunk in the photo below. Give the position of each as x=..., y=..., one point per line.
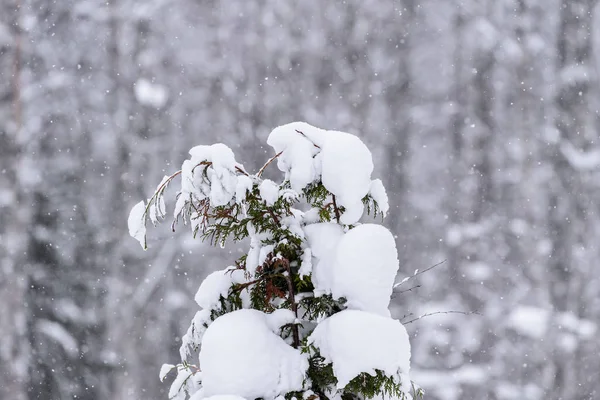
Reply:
x=304, y=314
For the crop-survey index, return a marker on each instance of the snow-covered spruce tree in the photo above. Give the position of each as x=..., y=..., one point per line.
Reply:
x=304, y=314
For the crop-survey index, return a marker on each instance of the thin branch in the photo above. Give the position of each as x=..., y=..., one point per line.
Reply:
x=241, y=171
x=273, y=216
x=336, y=209
x=406, y=316
x=406, y=290
x=159, y=190
x=441, y=312
x=302, y=133
x=417, y=274
x=262, y=169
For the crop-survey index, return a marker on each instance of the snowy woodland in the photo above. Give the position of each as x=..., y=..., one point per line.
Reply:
x=482, y=120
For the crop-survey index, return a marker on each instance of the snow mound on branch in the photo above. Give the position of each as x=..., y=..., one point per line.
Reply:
x=269, y=191
x=341, y=160
x=323, y=239
x=244, y=185
x=220, y=181
x=186, y=382
x=137, y=223
x=217, y=284
x=190, y=342
x=357, y=341
x=294, y=142
x=359, y=265
x=241, y=355
x=347, y=165
x=378, y=193
x=366, y=263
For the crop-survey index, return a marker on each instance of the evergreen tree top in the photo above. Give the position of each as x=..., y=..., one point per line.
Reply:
x=304, y=314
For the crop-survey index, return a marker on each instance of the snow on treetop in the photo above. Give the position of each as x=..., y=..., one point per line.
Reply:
x=314, y=283
x=346, y=172
x=340, y=159
x=297, y=150
x=357, y=341
x=241, y=355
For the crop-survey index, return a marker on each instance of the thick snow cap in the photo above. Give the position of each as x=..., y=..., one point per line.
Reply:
x=359, y=265
x=341, y=160
x=366, y=264
x=357, y=341
x=242, y=356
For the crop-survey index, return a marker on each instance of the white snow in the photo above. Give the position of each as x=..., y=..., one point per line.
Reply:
x=217, y=284
x=357, y=341
x=306, y=267
x=254, y=254
x=360, y=265
x=580, y=160
x=535, y=322
x=164, y=370
x=243, y=186
x=219, y=183
x=59, y=334
x=340, y=159
x=378, y=193
x=297, y=152
x=323, y=239
x=575, y=74
x=366, y=264
x=241, y=355
x=529, y=321
x=269, y=191
x=347, y=165
x=137, y=223
x=150, y=94
x=186, y=381
x=200, y=396
x=193, y=337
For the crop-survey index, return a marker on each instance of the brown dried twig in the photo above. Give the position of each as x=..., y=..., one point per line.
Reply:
x=269, y=161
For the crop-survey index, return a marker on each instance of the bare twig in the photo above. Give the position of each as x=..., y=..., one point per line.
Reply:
x=406, y=316
x=417, y=274
x=406, y=290
x=262, y=169
x=441, y=312
x=273, y=216
x=159, y=190
x=241, y=171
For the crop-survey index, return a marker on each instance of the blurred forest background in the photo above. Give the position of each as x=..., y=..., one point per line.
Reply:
x=482, y=115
